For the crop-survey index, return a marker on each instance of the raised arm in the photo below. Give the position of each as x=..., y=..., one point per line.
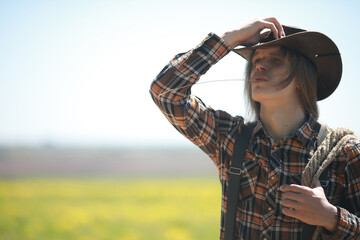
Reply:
x=171, y=89
x=171, y=92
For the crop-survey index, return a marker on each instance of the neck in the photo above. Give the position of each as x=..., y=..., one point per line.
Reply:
x=281, y=121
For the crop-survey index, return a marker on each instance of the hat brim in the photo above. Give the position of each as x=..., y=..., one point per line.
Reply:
x=319, y=48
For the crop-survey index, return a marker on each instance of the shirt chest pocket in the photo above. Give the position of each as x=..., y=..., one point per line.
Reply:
x=247, y=179
x=247, y=187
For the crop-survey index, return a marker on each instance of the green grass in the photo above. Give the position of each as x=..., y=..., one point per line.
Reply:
x=176, y=209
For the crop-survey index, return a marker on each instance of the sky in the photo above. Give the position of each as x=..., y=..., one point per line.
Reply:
x=78, y=72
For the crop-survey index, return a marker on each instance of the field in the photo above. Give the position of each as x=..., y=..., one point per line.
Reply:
x=79, y=209
x=40, y=203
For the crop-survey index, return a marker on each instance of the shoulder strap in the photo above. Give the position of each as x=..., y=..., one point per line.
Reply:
x=235, y=171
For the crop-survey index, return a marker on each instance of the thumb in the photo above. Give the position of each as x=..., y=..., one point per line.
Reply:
x=265, y=34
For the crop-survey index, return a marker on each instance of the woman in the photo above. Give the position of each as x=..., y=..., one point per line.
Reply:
x=288, y=71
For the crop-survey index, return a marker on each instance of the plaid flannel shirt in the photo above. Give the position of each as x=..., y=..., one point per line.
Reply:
x=267, y=164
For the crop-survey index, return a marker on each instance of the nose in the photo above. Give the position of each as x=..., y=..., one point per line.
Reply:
x=260, y=65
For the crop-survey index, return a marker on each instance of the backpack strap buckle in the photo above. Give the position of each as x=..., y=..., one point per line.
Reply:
x=235, y=171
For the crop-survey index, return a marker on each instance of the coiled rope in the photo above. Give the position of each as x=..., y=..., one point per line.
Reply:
x=332, y=144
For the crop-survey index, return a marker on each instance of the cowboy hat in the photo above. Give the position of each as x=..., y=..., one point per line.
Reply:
x=317, y=47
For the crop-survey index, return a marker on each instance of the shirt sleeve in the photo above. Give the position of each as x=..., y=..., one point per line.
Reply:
x=171, y=92
x=349, y=218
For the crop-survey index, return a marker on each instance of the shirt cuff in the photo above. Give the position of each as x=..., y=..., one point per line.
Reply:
x=217, y=48
x=343, y=230
x=198, y=60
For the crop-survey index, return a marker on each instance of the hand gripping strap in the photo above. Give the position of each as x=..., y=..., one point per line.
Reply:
x=235, y=171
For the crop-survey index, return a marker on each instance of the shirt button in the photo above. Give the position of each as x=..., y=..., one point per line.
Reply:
x=269, y=208
x=275, y=148
x=273, y=178
x=265, y=238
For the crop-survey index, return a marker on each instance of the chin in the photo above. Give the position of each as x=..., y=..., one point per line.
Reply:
x=258, y=95
x=261, y=97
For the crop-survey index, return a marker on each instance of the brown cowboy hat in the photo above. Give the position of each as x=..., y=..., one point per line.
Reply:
x=319, y=48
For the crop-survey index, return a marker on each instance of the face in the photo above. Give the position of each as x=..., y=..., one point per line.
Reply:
x=271, y=77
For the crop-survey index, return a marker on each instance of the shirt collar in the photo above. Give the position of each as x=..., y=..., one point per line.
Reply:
x=259, y=128
x=306, y=133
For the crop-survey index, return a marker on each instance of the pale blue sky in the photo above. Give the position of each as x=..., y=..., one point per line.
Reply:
x=78, y=72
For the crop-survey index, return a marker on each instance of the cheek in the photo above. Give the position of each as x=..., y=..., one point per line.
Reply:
x=281, y=72
x=283, y=78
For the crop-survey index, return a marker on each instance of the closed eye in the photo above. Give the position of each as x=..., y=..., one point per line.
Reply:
x=255, y=60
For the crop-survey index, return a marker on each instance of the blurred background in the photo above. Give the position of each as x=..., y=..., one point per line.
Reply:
x=86, y=154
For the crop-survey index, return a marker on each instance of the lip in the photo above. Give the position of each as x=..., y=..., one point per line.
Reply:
x=258, y=78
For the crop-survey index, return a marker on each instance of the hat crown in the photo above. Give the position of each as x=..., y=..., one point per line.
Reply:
x=288, y=31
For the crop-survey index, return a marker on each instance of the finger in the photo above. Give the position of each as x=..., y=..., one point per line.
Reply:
x=290, y=204
x=265, y=34
x=290, y=212
x=279, y=27
x=295, y=197
x=294, y=188
x=277, y=24
x=272, y=27
x=318, y=183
